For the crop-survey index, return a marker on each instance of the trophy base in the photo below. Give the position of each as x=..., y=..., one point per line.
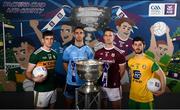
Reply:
x=89, y=87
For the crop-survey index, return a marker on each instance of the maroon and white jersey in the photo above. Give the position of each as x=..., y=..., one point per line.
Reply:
x=126, y=45
x=112, y=58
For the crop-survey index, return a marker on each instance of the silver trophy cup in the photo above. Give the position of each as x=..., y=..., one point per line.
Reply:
x=91, y=18
x=90, y=71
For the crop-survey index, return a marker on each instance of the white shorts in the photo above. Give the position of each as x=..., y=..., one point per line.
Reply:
x=113, y=94
x=43, y=99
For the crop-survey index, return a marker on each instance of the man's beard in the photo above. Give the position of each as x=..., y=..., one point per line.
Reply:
x=139, y=52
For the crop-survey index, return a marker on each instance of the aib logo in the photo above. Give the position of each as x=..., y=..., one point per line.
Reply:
x=169, y=9
x=137, y=74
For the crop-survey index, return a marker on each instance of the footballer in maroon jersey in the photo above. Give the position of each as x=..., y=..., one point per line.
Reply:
x=113, y=70
x=112, y=58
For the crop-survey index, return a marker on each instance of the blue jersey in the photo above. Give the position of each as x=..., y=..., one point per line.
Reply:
x=58, y=48
x=59, y=62
x=72, y=54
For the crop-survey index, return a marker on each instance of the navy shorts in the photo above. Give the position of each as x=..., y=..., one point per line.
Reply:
x=69, y=91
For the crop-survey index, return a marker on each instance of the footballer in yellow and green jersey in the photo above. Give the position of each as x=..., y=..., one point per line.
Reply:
x=141, y=69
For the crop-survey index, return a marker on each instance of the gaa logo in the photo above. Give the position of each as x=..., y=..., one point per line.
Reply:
x=155, y=7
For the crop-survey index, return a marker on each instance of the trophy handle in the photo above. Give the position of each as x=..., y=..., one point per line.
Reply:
x=68, y=10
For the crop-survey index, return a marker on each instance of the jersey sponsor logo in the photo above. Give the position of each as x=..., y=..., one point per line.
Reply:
x=79, y=58
x=137, y=74
x=47, y=64
x=108, y=61
x=136, y=80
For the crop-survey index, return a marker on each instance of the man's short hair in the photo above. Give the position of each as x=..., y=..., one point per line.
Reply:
x=138, y=38
x=48, y=33
x=118, y=22
x=67, y=24
x=78, y=27
x=109, y=29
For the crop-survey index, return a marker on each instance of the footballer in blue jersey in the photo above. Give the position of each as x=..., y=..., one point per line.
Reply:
x=73, y=53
